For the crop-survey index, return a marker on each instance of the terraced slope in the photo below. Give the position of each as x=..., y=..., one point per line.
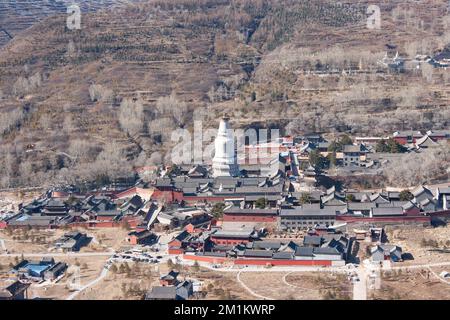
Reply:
x=300, y=65
x=19, y=15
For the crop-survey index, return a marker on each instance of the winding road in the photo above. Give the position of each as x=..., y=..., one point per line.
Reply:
x=439, y=277
x=360, y=287
x=2, y=245
x=102, y=275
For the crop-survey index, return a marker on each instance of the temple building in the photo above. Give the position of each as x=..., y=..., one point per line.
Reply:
x=225, y=160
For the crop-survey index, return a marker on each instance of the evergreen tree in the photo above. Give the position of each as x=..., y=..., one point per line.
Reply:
x=261, y=203
x=217, y=210
x=345, y=139
x=405, y=195
x=305, y=198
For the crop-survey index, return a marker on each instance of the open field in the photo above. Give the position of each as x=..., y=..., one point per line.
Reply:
x=38, y=241
x=414, y=285
x=223, y=285
x=298, y=286
x=411, y=239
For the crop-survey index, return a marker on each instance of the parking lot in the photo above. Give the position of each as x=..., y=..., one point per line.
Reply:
x=146, y=255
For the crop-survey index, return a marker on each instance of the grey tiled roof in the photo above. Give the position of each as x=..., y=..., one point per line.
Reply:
x=162, y=293
x=355, y=206
x=312, y=240
x=275, y=245
x=232, y=233
x=258, y=253
x=444, y=190
x=299, y=211
x=392, y=204
x=391, y=211
x=267, y=197
x=283, y=255
x=419, y=190
x=304, y=251
x=326, y=250
x=237, y=210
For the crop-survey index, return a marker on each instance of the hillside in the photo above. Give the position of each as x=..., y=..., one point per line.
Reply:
x=76, y=104
x=16, y=16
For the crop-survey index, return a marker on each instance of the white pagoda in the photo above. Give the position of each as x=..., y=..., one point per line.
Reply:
x=225, y=160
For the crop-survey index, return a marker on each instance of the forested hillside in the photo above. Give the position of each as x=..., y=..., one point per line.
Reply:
x=83, y=104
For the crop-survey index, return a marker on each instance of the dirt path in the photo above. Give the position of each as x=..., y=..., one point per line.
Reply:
x=360, y=287
x=102, y=275
x=438, y=277
x=420, y=266
x=250, y=290
x=2, y=245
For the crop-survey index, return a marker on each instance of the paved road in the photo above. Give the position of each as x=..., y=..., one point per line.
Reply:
x=102, y=275
x=439, y=277
x=419, y=266
x=364, y=270
x=360, y=287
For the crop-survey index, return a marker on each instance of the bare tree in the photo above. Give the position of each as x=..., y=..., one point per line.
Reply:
x=98, y=92
x=170, y=105
x=68, y=123
x=112, y=162
x=413, y=169
x=163, y=127
x=81, y=150
x=10, y=120
x=25, y=85
x=131, y=116
x=45, y=121
x=427, y=72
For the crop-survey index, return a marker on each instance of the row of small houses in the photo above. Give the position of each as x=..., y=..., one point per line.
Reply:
x=290, y=209
x=402, y=137
x=245, y=192
x=324, y=209
x=362, y=153
x=245, y=247
x=418, y=137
